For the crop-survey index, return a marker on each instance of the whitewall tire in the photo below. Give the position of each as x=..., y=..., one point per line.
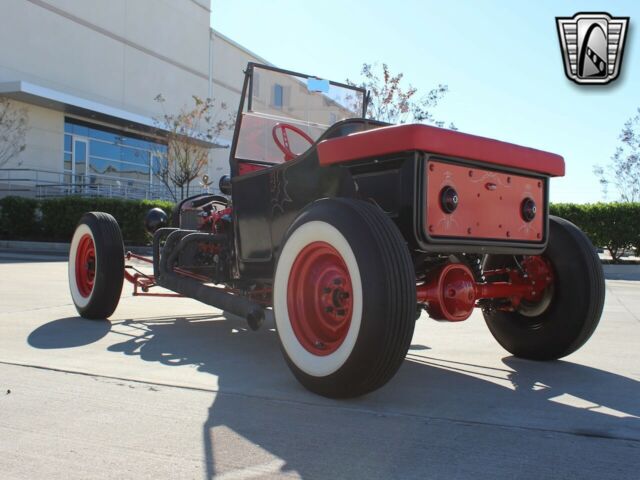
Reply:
x=344, y=298
x=96, y=265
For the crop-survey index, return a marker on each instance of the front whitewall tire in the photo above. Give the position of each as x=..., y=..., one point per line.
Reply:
x=103, y=262
x=79, y=300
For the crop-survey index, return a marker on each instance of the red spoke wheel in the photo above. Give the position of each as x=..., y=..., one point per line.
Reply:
x=96, y=265
x=558, y=320
x=344, y=298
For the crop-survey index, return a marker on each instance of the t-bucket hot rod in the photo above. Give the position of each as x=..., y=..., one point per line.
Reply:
x=348, y=228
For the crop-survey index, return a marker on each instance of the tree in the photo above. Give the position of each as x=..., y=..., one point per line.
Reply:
x=623, y=172
x=392, y=102
x=188, y=135
x=13, y=130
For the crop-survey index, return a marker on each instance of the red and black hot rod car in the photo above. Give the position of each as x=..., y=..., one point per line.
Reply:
x=348, y=228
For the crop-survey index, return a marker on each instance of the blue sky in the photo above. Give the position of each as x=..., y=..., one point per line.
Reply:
x=500, y=59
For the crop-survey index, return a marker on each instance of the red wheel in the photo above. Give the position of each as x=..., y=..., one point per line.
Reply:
x=96, y=265
x=344, y=298
x=558, y=320
x=85, y=265
x=284, y=144
x=320, y=298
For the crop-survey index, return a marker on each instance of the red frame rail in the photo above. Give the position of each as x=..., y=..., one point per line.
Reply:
x=141, y=281
x=450, y=292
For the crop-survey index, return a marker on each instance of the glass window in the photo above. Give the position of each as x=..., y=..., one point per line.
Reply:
x=112, y=168
x=135, y=155
x=67, y=161
x=81, y=152
x=80, y=130
x=295, y=101
x=278, y=96
x=106, y=150
x=114, y=158
x=102, y=135
x=136, y=142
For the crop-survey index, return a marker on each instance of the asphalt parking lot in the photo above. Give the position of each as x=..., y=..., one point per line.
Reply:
x=170, y=388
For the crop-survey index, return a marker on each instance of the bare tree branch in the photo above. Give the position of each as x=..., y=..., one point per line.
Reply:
x=623, y=171
x=393, y=102
x=187, y=135
x=13, y=130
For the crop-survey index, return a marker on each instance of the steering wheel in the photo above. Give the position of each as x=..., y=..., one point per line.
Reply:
x=284, y=145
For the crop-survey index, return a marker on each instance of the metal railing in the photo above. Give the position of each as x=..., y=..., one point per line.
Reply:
x=49, y=184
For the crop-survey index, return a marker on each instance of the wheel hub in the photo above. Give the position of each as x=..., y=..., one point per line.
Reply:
x=85, y=265
x=320, y=298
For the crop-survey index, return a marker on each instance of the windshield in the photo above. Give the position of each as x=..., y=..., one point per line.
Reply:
x=276, y=98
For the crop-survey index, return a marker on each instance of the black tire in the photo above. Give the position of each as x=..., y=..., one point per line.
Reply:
x=96, y=265
x=380, y=275
x=572, y=312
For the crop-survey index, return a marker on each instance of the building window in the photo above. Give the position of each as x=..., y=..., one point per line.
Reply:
x=96, y=155
x=278, y=96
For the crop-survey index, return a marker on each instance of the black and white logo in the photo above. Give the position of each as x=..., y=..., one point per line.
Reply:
x=592, y=46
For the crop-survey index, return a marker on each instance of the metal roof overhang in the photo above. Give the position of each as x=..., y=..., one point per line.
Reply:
x=48, y=98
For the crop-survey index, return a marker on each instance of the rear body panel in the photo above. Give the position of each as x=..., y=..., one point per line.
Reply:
x=489, y=205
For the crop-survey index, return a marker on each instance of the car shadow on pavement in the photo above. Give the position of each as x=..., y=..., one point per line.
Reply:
x=68, y=333
x=542, y=397
x=434, y=408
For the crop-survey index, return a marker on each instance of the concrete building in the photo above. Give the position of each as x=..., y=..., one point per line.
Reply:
x=88, y=72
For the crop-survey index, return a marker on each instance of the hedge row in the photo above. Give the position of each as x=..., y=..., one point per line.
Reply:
x=55, y=219
x=614, y=226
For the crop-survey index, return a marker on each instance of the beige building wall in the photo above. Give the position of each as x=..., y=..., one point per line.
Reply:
x=121, y=54
x=43, y=140
x=117, y=52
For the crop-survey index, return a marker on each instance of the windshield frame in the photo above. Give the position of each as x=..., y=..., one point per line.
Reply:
x=247, y=95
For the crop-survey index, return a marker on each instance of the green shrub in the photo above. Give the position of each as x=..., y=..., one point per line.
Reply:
x=61, y=215
x=18, y=218
x=614, y=226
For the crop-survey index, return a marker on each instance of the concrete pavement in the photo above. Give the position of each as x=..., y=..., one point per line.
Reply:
x=170, y=388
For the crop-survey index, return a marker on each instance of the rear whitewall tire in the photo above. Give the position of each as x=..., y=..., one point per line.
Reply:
x=317, y=366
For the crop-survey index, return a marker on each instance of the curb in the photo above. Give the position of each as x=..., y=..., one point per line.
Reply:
x=621, y=272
